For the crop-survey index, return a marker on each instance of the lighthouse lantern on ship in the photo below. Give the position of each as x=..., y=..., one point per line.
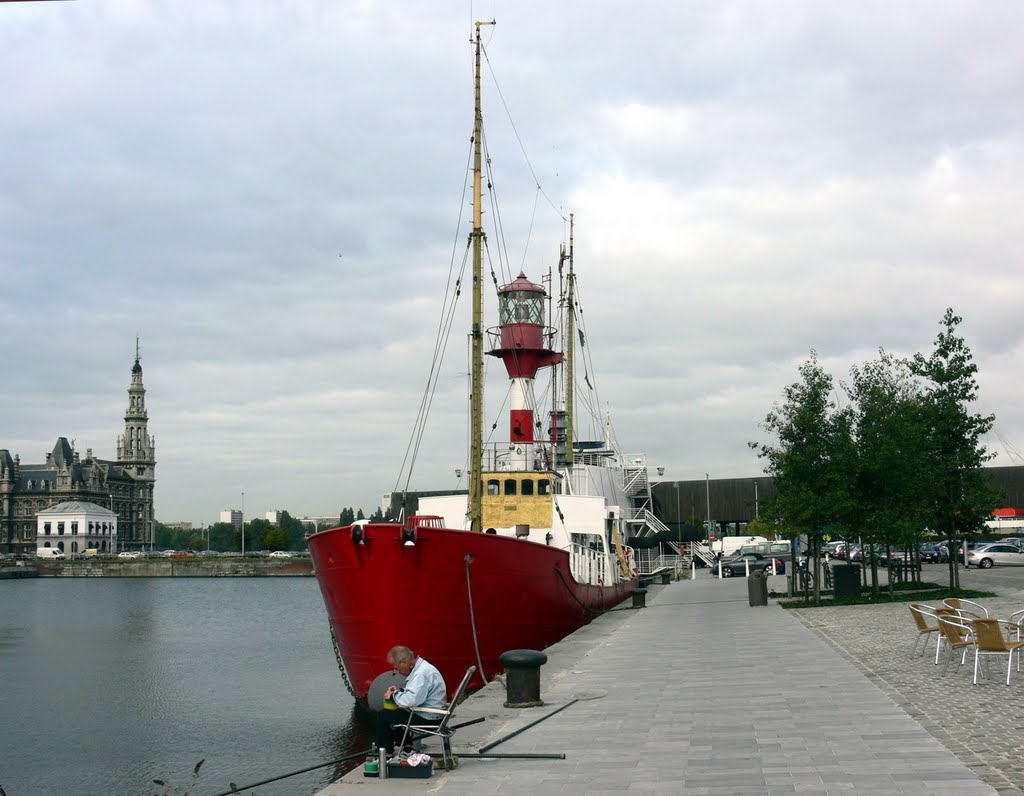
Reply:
x=524, y=345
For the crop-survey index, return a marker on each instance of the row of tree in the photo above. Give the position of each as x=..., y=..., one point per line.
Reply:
x=899, y=458
x=260, y=534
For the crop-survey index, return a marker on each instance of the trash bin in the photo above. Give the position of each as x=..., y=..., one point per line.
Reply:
x=845, y=581
x=757, y=587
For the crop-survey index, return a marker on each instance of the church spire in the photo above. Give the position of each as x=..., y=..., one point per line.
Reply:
x=135, y=448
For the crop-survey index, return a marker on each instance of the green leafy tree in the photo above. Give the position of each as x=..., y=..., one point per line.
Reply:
x=810, y=460
x=196, y=542
x=360, y=515
x=348, y=516
x=377, y=516
x=254, y=530
x=962, y=501
x=223, y=537
x=893, y=470
x=294, y=531
x=273, y=539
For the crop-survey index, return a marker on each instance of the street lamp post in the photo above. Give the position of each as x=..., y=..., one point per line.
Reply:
x=679, y=519
x=243, y=524
x=707, y=492
x=756, y=514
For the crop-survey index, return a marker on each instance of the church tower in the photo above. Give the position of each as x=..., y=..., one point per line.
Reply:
x=136, y=453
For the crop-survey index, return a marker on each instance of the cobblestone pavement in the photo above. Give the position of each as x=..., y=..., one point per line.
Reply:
x=982, y=725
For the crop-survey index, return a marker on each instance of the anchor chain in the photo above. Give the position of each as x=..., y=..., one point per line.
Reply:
x=341, y=664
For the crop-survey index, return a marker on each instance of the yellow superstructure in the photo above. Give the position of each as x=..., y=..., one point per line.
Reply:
x=517, y=498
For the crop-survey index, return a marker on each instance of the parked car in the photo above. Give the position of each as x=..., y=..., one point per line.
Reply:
x=280, y=554
x=831, y=549
x=737, y=565
x=987, y=555
x=128, y=554
x=934, y=553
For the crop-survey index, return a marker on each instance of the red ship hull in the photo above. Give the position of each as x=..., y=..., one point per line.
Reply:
x=430, y=594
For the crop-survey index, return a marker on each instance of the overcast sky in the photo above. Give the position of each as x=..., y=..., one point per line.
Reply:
x=269, y=195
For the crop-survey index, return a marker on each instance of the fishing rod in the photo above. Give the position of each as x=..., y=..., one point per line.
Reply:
x=294, y=773
x=492, y=744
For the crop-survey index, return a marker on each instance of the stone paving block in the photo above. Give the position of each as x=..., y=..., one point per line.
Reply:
x=681, y=715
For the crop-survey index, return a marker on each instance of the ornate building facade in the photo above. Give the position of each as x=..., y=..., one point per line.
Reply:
x=124, y=486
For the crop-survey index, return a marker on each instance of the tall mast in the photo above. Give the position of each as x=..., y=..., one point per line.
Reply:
x=476, y=408
x=569, y=347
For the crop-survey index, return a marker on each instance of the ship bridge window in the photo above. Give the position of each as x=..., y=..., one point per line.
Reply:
x=528, y=486
x=494, y=487
x=510, y=486
x=544, y=487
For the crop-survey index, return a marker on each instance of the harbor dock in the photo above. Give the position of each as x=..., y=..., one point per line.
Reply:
x=700, y=693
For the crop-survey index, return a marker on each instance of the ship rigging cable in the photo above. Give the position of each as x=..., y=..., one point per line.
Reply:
x=519, y=140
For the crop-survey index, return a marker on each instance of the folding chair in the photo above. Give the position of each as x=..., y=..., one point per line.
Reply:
x=417, y=728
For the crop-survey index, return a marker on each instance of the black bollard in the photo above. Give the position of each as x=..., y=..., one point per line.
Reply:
x=666, y=577
x=639, y=598
x=522, y=677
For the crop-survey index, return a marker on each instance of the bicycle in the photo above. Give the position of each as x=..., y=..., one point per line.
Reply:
x=804, y=578
x=827, y=572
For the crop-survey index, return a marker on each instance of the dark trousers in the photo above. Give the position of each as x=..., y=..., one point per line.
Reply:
x=391, y=725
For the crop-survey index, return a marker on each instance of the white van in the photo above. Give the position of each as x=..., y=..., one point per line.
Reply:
x=732, y=544
x=49, y=552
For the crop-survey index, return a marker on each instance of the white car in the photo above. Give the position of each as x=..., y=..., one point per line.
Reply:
x=127, y=554
x=985, y=555
x=280, y=554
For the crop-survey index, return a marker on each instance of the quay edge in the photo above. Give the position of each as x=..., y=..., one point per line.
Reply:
x=177, y=568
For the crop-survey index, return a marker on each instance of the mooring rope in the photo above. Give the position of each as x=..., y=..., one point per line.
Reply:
x=572, y=594
x=472, y=620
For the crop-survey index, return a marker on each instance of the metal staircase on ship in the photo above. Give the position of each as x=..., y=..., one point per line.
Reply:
x=641, y=522
x=639, y=518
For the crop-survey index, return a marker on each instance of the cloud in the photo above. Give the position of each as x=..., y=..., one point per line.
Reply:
x=271, y=197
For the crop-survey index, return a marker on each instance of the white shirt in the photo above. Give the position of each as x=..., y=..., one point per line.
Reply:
x=424, y=688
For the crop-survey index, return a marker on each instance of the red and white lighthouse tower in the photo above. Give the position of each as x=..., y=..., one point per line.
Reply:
x=524, y=346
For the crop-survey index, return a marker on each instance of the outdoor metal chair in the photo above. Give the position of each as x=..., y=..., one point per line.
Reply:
x=1017, y=620
x=955, y=635
x=416, y=727
x=989, y=640
x=927, y=623
x=967, y=609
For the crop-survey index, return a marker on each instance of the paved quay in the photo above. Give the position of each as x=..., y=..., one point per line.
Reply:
x=701, y=694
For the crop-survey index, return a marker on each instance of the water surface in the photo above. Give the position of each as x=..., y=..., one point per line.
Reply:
x=109, y=683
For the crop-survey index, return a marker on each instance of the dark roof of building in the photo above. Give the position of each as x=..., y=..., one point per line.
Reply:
x=63, y=455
